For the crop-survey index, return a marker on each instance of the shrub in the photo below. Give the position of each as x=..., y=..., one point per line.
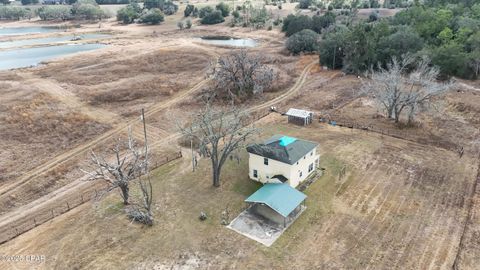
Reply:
x=224, y=8
x=152, y=16
x=304, y=4
x=180, y=25
x=303, y=41
x=297, y=24
x=29, y=2
x=188, y=24
x=373, y=16
x=87, y=9
x=188, y=10
x=236, y=14
x=213, y=18
x=47, y=13
x=204, y=11
x=112, y=2
x=129, y=13
x=167, y=6
x=14, y=13
x=322, y=22
x=258, y=17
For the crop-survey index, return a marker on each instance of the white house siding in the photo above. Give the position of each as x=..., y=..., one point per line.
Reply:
x=274, y=167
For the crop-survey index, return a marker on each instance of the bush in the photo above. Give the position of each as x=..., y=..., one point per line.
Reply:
x=167, y=6
x=180, y=25
x=129, y=13
x=213, y=18
x=47, y=13
x=152, y=16
x=304, y=4
x=322, y=22
x=112, y=2
x=204, y=11
x=303, y=41
x=188, y=10
x=88, y=10
x=297, y=24
x=188, y=24
x=373, y=16
x=224, y=8
x=236, y=14
x=14, y=13
x=258, y=17
x=29, y=2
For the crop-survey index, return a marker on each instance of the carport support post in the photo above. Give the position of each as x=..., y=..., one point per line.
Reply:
x=284, y=222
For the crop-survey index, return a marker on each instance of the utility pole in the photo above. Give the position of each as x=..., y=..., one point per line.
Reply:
x=193, y=156
x=145, y=138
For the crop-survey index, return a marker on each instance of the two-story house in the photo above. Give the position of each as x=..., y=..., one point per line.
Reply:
x=282, y=159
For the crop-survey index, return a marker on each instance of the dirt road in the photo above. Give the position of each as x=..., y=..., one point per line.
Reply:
x=73, y=189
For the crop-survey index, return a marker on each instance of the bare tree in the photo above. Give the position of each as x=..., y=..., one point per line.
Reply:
x=219, y=133
x=397, y=87
x=241, y=74
x=129, y=163
x=142, y=211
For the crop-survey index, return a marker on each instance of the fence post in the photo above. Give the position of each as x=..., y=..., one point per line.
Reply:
x=81, y=197
x=53, y=215
x=16, y=231
x=68, y=206
x=34, y=222
x=96, y=194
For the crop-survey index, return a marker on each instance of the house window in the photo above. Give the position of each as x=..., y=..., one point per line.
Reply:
x=255, y=174
x=311, y=153
x=310, y=167
x=265, y=161
x=304, y=157
x=297, y=162
x=301, y=174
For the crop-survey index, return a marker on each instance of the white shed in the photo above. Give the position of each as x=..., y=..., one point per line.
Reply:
x=299, y=117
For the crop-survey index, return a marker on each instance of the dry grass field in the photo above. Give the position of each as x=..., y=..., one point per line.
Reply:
x=397, y=207
x=403, y=203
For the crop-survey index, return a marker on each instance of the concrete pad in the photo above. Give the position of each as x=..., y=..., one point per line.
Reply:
x=259, y=228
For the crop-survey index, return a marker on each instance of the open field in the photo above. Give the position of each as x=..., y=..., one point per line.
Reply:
x=404, y=203
x=398, y=207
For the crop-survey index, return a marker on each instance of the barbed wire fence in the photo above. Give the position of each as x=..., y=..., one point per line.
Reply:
x=60, y=207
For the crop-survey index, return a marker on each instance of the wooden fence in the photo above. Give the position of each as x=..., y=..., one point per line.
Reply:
x=60, y=207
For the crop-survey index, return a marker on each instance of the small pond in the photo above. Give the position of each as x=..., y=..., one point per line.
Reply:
x=38, y=41
x=33, y=56
x=229, y=41
x=10, y=31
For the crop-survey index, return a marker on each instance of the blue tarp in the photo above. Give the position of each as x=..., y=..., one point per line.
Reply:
x=280, y=197
x=286, y=140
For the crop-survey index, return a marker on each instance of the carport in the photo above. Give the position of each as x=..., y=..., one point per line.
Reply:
x=279, y=203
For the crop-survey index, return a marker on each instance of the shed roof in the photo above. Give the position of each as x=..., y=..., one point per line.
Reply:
x=298, y=113
x=280, y=197
x=283, y=148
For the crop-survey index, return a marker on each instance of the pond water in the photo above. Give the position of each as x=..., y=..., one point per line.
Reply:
x=9, y=31
x=38, y=41
x=33, y=56
x=229, y=41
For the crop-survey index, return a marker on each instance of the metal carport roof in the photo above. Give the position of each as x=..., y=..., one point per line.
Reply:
x=280, y=197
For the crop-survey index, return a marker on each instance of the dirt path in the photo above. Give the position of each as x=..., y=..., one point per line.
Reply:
x=70, y=99
x=469, y=87
x=80, y=184
x=81, y=149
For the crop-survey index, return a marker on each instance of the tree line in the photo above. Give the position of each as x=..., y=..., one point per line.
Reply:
x=448, y=34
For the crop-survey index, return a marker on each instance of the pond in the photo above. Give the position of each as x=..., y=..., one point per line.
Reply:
x=38, y=41
x=10, y=31
x=33, y=56
x=229, y=41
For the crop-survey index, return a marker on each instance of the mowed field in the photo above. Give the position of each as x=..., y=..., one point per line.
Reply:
x=399, y=205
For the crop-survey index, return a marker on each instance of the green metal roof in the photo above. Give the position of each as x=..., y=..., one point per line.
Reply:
x=280, y=197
